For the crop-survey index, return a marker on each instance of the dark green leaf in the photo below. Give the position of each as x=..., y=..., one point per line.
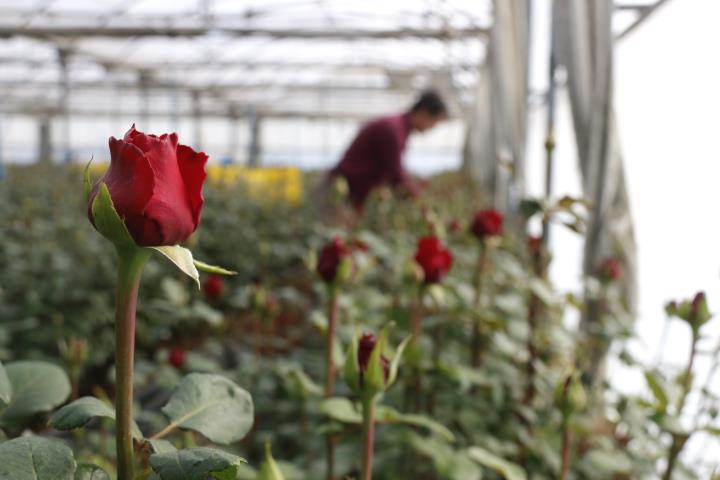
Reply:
x=212, y=405
x=36, y=458
x=196, y=464
x=81, y=411
x=37, y=387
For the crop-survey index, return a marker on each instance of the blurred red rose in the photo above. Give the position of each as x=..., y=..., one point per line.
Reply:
x=365, y=348
x=487, y=223
x=177, y=357
x=610, y=270
x=330, y=257
x=434, y=259
x=455, y=225
x=156, y=187
x=534, y=245
x=213, y=287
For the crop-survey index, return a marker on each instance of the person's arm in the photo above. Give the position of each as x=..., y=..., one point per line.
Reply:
x=390, y=155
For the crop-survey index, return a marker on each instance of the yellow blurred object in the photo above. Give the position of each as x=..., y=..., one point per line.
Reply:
x=273, y=184
x=265, y=184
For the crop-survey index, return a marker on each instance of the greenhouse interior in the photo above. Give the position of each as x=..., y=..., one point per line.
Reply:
x=346, y=240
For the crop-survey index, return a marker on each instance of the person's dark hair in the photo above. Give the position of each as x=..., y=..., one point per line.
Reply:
x=431, y=102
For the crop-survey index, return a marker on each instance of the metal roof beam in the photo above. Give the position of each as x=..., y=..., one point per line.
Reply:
x=125, y=31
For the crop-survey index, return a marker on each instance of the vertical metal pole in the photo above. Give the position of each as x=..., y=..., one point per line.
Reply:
x=174, y=108
x=254, y=145
x=65, y=144
x=550, y=126
x=144, y=81
x=2, y=159
x=197, y=121
x=234, y=135
x=44, y=140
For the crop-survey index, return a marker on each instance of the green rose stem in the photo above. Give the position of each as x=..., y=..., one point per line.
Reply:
x=414, y=389
x=534, y=306
x=368, y=436
x=566, y=448
x=330, y=372
x=130, y=266
x=678, y=441
x=476, y=345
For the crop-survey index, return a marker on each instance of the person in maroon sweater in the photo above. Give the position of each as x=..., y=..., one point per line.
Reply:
x=374, y=157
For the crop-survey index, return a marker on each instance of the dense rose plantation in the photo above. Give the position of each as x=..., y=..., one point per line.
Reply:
x=426, y=342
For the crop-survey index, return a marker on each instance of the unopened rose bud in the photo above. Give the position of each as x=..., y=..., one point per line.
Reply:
x=368, y=371
x=155, y=185
x=534, y=244
x=699, y=313
x=367, y=344
x=455, y=225
x=176, y=357
x=213, y=287
x=570, y=396
x=609, y=270
x=334, y=264
x=487, y=223
x=434, y=259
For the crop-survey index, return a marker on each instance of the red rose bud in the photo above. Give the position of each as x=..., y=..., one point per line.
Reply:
x=330, y=258
x=434, y=259
x=487, y=223
x=455, y=225
x=699, y=313
x=365, y=348
x=213, y=287
x=535, y=245
x=177, y=357
x=155, y=185
x=610, y=270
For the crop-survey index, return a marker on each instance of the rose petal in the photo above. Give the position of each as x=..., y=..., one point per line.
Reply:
x=192, y=169
x=130, y=181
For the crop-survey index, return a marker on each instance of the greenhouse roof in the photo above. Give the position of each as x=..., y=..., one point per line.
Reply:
x=225, y=58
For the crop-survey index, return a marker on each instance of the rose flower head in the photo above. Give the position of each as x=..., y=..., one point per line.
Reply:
x=610, y=270
x=334, y=263
x=434, y=258
x=213, y=287
x=176, y=357
x=366, y=345
x=368, y=370
x=155, y=184
x=487, y=223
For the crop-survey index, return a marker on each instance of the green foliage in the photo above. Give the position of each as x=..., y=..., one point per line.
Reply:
x=36, y=458
x=81, y=411
x=196, y=464
x=37, y=387
x=58, y=283
x=86, y=471
x=211, y=405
